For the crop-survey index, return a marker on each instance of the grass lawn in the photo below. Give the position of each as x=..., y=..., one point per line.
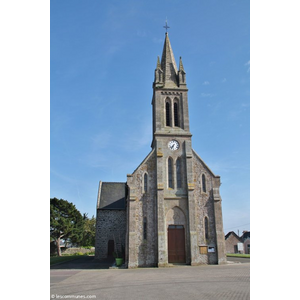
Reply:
x=58, y=259
x=238, y=255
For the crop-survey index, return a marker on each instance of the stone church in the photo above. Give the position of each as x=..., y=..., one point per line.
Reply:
x=169, y=210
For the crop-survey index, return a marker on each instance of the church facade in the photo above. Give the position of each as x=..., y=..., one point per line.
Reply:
x=169, y=210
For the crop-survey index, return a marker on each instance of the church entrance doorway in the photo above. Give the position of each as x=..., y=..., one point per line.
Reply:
x=176, y=244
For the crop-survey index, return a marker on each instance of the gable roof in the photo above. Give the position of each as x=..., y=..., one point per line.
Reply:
x=145, y=159
x=112, y=195
x=246, y=235
x=204, y=164
x=233, y=234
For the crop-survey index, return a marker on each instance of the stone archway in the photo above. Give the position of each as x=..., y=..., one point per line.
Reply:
x=176, y=224
x=175, y=216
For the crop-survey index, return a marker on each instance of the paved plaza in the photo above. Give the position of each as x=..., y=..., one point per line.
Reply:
x=216, y=282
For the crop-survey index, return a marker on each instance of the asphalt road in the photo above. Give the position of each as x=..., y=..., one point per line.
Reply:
x=230, y=281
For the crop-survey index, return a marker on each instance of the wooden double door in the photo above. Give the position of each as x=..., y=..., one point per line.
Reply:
x=176, y=244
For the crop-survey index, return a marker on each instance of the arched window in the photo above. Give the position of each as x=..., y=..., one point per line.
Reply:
x=203, y=183
x=145, y=228
x=176, y=122
x=206, y=227
x=170, y=172
x=178, y=172
x=168, y=115
x=145, y=183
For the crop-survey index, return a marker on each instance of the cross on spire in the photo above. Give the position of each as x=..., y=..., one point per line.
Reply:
x=166, y=26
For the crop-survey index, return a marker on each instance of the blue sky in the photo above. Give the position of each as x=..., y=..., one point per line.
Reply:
x=103, y=57
x=102, y=54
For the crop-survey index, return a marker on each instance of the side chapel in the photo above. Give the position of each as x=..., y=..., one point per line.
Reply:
x=169, y=210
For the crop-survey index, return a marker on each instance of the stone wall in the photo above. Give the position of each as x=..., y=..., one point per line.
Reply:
x=146, y=205
x=204, y=209
x=110, y=225
x=142, y=212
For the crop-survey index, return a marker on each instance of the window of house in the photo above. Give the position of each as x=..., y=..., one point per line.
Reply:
x=168, y=120
x=178, y=172
x=176, y=227
x=176, y=122
x=203, y=183
x=145, y=183
x=170, y=172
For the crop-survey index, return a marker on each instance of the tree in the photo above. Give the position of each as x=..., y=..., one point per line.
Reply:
x=89, y=231
x=65, y=222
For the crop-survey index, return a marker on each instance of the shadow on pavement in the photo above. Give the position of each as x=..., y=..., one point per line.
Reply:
x=84, y=262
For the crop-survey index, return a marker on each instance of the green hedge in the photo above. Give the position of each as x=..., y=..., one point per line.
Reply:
x=59, y=259
x=238, y=255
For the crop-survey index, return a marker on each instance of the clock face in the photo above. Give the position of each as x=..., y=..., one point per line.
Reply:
x=173, y=145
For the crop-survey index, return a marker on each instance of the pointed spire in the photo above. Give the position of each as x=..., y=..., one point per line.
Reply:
x=168, y=65
x=166, y=73
x=158, y=77
x=181, y=74
x=181, y=65
x=158, y=66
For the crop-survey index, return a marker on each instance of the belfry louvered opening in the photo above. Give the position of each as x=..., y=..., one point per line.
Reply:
x=168, y=115
x=176, y=121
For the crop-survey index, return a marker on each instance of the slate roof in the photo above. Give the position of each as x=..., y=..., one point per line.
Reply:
x=112, y=195
x=246, y=235
x=234, y=234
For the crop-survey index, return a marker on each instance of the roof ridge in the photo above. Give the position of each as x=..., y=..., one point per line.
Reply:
x=114, y=182
x=204, y=163
x=145, y=159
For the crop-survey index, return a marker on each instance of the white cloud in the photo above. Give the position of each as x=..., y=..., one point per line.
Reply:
x=141, y=138
x=63, y=177
x=248, y=64
x=206, y=95
x=157, y=40
x=205, y=83
x=224, y=80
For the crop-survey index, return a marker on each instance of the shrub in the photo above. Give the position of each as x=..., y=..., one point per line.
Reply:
x=87, y=247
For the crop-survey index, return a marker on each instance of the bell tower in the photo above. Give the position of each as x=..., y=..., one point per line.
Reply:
x=174, y=212
x=172, y=144
x=169, y=102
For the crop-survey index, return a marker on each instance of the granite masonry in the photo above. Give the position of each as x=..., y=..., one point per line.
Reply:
x=169, y=210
